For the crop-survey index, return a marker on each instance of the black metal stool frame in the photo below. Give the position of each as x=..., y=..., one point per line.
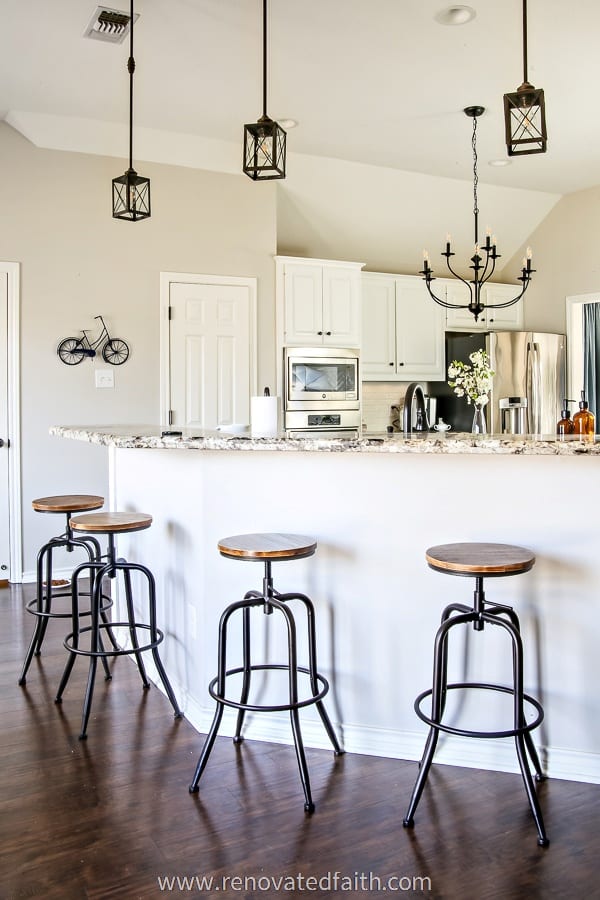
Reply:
x=41, y=605
x=269, y=599
x=478, y=614
x=110, y=568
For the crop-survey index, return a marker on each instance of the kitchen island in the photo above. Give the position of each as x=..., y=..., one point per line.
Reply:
x=375, y=504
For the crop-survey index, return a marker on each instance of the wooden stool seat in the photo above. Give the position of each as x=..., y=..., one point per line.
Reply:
x=111, y=522
x=67, y=503
x=480, y=559
x=272, y=546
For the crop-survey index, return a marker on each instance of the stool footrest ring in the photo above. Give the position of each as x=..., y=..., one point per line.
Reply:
x=283, y=707
x=450, y=729
x=112, y=652
x=30, y=607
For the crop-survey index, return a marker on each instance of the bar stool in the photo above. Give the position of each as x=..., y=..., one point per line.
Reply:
x=479, y=560
x=269, y=548
x=41, y=605
x=111, y=524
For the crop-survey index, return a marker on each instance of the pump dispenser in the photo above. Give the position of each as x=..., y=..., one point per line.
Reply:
x=584, y=421
x=565, y=426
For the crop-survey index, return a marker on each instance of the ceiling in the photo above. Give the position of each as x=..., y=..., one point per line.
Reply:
x=371, y=81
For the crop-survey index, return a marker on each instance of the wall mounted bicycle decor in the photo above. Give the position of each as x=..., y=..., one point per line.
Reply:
x=73, y=350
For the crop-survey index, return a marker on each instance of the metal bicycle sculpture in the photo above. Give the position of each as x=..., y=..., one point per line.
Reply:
x=73, y=350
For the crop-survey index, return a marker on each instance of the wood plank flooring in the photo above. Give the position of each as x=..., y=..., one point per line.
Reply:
x=110, y=816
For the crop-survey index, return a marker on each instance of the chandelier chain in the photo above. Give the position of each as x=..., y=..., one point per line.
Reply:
x=475, y=175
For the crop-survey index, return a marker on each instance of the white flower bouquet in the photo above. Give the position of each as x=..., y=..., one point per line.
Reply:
x=472, y=381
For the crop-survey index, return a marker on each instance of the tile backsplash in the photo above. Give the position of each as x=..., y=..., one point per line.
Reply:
x=377, y=399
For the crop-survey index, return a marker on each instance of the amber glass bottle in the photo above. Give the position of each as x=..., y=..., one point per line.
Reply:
x=584, y=422
x=565, y=426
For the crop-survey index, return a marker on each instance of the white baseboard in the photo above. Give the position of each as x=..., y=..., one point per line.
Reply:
x=30, y=576
x=497, y=755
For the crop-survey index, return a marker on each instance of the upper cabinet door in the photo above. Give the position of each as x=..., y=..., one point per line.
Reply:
x=378, y=347
x=341, y=307
x=457, y=292
x=303, y=308
x=419, y=331
x=509, y=318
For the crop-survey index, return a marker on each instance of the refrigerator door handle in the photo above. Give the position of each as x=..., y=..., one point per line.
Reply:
x=534, y=387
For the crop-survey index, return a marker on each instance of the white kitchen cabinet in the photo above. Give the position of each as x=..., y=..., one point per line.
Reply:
x=319, y=302
x=403, y=330
x=509, y=318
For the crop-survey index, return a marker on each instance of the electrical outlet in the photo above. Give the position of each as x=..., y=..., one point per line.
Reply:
x=105, y=378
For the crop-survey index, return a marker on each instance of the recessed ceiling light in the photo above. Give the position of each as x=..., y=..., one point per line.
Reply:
x=287, y=123
x=455, y=15
x=499, y=163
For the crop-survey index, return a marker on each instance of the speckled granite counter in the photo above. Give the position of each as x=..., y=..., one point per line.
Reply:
x=149, y=437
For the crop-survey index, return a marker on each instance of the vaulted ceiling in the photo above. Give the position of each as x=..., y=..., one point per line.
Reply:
x=373, y=81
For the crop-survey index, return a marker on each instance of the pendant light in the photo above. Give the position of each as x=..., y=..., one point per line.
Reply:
x=131, y=192
x=264, y=141
x=483, y=261
x=525, y=112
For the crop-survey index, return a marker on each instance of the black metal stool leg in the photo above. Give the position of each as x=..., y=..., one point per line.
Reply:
x=309, y=806
x=438, y=700
x=154, y=635
x=221, y=676
x=313, y=669
x=246, y=662
x=126, y=568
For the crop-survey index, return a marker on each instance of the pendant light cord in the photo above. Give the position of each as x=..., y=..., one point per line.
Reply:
x=475, y=179
x=264, y=57
x=524, y=41
x=131, y=70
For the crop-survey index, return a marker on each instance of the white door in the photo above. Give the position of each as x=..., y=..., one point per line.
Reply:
x=211, y=354
x=4, y=504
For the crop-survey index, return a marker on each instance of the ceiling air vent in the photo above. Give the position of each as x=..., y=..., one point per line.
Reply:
x=111, y=25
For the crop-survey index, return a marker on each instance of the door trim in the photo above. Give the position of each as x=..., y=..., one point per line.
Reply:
x=13, y=272
x=166, y=280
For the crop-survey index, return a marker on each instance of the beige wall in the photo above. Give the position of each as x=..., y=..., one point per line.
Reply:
x=566, y=257
x=78, y=262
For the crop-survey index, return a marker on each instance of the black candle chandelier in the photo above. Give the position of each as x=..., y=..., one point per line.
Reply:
x=525, y=112
x=264, y=141
x=484, y=257
x=131, y=192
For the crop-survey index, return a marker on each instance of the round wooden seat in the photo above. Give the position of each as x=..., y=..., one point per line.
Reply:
x=67, y=503
x=271, y=546
x=480, y=559
x=111, y=522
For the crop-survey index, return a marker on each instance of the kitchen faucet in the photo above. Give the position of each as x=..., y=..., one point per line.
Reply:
x=414, y=391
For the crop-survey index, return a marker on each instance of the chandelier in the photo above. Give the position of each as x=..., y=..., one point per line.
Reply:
x=483, y=261
x=131, y=192
x=525, y=112
x=264, y=140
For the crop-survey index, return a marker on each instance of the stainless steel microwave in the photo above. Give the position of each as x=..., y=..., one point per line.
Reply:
x=320, y=378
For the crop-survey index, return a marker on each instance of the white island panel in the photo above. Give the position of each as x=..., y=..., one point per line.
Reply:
x=378, y=604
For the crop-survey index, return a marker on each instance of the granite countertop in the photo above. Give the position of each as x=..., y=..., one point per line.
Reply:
x=152, y=437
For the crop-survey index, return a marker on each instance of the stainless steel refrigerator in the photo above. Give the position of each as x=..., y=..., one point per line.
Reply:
x=530, y=368
x=530, y=365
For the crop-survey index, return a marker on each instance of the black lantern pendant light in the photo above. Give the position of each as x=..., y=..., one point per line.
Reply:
x=264, y=141
x=131, y=192
x=483, y=259
x=525, y=112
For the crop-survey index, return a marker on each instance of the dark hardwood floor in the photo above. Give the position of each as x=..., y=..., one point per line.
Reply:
x=110, y=816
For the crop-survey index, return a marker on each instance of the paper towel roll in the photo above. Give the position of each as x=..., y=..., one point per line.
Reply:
x=263, y=416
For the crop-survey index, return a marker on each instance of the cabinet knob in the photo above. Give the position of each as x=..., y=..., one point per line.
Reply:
x=391, y=364
x=319, y=332
x=400, y=364
x=328, y=333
